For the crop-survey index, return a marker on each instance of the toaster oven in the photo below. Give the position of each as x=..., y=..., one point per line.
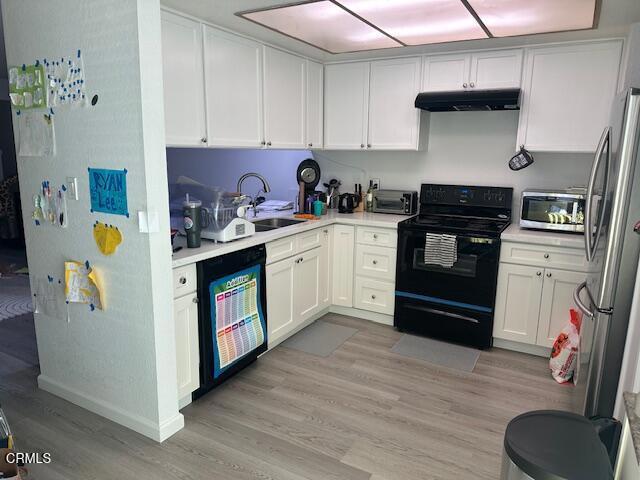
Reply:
x=400, y=202
x=560, y=210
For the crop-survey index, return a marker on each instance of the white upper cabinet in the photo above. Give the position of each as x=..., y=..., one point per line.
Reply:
x=481, y=71
x=496, y=69
x=183, y=77
x=284, y=99
x=567, y=95
x=446, y=73
x=315, y=98
x=394, y=122
x=346, y=105
x=233, y=75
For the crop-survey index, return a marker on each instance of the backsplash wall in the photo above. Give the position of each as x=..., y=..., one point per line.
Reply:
x=464, y=148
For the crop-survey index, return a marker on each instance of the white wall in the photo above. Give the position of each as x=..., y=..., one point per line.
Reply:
x=464, y=148
x=119, y=362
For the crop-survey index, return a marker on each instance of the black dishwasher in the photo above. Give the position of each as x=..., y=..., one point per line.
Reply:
x=232, y=322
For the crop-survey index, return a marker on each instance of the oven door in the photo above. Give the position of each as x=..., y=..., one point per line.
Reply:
x=470, y=283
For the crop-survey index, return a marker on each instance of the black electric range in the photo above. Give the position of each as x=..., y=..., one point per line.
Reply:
x=453, y=301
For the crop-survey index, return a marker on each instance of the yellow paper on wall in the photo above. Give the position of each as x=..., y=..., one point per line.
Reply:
x=107, y=237
x=81, y=284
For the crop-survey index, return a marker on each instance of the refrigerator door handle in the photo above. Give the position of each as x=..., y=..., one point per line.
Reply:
x=590, y=244
x=578, y=300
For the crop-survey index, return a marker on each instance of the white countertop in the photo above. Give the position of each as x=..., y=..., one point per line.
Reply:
x=557, y=239
x=209, y=249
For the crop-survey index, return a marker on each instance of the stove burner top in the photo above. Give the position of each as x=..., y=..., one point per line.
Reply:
x=457, y=224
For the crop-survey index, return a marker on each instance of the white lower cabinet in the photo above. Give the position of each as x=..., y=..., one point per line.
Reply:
x=374, y=295
x=343, y=252
x=534, y=297
x=297, y=286
x=185, y=317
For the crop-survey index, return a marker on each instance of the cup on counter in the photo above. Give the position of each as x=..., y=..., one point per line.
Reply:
x=318, y=207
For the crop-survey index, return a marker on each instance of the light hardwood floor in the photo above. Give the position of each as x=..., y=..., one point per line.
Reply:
x=362, y=413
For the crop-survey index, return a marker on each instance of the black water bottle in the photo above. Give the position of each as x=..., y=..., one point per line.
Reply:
x=192, y=211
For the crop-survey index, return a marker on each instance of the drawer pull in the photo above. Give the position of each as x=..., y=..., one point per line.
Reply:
x=549, y=275
x=195, y=300
x=546, y=255
x=183, y=280
x=375, y=262
x=375, y=236
x=373, y=297
x=539, y=274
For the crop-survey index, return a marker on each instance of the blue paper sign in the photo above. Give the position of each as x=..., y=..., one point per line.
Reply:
x=108, y=189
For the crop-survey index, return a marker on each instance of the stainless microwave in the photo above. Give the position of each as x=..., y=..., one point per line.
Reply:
x=560, y=210
x=400, y=202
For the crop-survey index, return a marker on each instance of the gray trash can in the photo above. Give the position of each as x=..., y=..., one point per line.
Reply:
x=553, y=445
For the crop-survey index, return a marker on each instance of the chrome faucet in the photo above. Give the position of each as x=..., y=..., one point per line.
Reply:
x=265, y=188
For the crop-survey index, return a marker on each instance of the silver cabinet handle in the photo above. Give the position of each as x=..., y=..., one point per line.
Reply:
x=195, y=300
x=464, y=85
x=539, y=274
x=549, y=275
x=578, y=301
x=546, y=255
x=183, y=280
x=373, y=297
x=368, y=145
x=375, y=262
x=375, y=236
x=472, y=84
x=268, y=144
x=203, y=139
x=311, y=144
x=326, y=231
x=362, y=145
x=263, y=142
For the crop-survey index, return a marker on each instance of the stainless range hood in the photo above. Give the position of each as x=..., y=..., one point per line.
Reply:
x=469, y=100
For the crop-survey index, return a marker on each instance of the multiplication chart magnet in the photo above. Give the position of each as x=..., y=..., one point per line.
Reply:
x=237, y=321
x=108, y=190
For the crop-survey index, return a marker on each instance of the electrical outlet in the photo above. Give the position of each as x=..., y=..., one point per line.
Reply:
x=376, y=182
x=72, y=188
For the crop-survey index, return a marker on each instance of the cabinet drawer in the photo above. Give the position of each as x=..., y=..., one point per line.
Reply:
x=374, y=295
x=279, y=249
x=539, y=255
x=382, y=237
x=185, y=280
x=308, y=240
x=376, y=262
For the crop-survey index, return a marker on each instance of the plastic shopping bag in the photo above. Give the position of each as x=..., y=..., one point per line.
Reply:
x=564, y=354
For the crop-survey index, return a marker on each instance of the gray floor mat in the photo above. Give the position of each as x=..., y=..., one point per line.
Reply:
x=439, y=353
x=320, y=338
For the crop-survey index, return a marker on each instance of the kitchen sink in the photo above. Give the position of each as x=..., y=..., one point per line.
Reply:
x=273, y=223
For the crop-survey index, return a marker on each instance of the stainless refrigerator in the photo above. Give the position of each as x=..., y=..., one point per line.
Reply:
x=612, y=245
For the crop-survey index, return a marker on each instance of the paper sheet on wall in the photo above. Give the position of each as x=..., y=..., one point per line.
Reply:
x=81, y=284
x=36, y=134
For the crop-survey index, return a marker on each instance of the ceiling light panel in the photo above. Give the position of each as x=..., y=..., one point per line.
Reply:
x=505, y=18
x=417, y=22
x=323, y=24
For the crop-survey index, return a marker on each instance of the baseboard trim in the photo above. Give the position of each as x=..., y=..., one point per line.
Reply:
x=363, y=314
x=522, y=347
x=143, y=426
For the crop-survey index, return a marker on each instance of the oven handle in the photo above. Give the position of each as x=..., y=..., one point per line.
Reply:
x=446, y=314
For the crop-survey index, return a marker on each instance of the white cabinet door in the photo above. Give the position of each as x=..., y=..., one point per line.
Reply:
x=284, y=99
x=518, y=303
x=346, y=104
x=233, y=79
x=446, y=72
x=315, y=106
x=394, y=122
x=183, y=76
x=280, y=292
x=343, y=258
x=185, y=317
x=326, y=267
x=306, y=297
x=567, y=96
x=496, y=69
x=557, y=300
